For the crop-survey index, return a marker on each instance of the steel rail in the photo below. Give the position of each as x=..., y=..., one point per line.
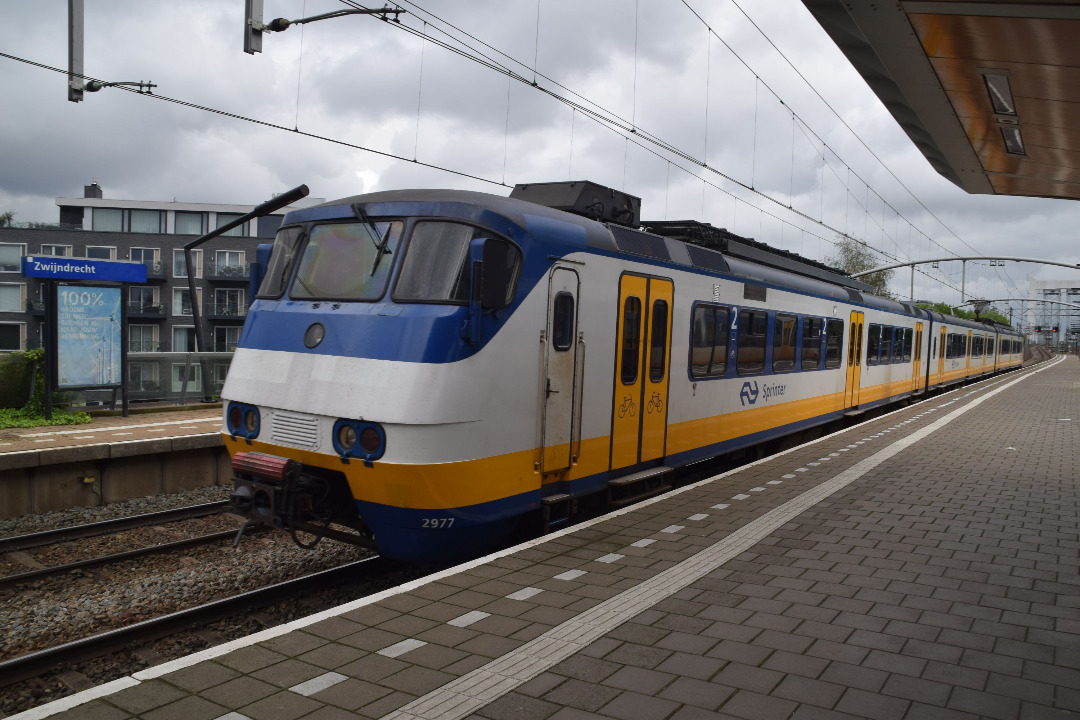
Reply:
x=47, y=537
x=37, y=663
x=116, y=557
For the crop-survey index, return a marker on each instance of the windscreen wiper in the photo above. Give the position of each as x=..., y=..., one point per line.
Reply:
x=382, y=245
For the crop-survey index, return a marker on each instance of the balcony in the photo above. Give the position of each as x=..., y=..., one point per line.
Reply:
x=36, y=307
x=228, y=272
x=224, y=347
x=144, y=311
x=138, y=346
x=226, y=311
x=155, y=270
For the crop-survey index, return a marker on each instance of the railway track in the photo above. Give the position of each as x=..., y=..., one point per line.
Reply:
x=37, y=663
x=52, y=571
x=104, y=527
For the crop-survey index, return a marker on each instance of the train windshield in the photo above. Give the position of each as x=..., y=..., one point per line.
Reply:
x=347, y=261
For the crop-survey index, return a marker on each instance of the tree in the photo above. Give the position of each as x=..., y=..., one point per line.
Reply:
x=7, y=219
x=990, y=313
x=854, y=256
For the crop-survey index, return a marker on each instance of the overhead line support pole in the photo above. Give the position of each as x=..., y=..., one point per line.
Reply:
x=266, y=208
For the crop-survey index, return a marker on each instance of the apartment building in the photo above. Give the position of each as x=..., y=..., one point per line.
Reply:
x=153, y=233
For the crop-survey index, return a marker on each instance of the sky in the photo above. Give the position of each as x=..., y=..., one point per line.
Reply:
x=688, y=105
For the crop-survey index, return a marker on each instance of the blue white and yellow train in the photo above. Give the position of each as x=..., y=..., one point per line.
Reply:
x=420, y=370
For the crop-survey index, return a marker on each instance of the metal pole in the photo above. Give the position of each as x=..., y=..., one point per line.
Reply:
x=912, y=295
x=266, y=208
x=75, y=50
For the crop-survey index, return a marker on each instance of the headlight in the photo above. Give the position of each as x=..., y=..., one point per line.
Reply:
x=236, y=414
x=359, y=439
x=346, y=437
x=243, y=421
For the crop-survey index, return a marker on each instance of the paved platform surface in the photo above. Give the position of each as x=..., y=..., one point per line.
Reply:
x=925, y=564
x=108, y=430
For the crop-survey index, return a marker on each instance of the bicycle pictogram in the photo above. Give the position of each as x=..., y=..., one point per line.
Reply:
x=655, y=402
x=628, y=407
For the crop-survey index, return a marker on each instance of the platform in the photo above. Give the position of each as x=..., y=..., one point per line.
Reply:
x=925, y=564
x=111, y=429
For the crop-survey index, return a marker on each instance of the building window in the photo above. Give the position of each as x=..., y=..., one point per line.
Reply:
x=192, y=374
x=108, y=220
x=226, y=338
x=100, y=253
x=145, y=221
x=143, y=338
x=12, y=298
x=11, y=257
x=143, y=377
x=183, y=339
x=179, y=263
x=190, y=223
x=56, y=250
x=147, y=256
x=142, y=298
x=181, y=302
x=11, y=336
x=139, y=221
x=228, y=301
x=226, y=218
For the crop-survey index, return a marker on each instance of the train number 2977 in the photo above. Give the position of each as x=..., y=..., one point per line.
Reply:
x=437, y=522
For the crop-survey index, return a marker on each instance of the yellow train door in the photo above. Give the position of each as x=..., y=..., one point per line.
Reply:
x=941, y=357
x=642, y=360
x=916, y=357
x=854, y=372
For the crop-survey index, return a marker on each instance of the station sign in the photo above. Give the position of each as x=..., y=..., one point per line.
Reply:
x=66, y=268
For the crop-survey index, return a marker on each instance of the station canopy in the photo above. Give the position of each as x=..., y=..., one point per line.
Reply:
x=988, y=91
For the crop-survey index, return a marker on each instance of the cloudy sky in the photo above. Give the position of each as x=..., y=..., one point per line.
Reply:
x=356, y=104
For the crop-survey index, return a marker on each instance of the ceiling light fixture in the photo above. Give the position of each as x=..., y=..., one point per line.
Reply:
x=1001, y=97
x=1014, y=142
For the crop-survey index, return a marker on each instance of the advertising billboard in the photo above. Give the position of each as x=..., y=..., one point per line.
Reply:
x=89, y=336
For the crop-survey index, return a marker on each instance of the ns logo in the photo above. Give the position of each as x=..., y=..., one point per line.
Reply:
x=750, y=392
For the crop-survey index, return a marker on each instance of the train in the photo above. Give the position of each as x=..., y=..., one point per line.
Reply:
x=422, y=370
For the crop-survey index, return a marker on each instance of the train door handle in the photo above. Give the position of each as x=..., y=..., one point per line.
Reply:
x=549, y=391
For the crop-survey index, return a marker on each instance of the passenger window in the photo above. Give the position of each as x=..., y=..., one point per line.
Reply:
x=834, y=341
x=908, y=335
x=851, y=348
x=873, y=344
x=710, y=336
x=750, y=352
x=631, y=344
x=658, y=341
x=784, y=327
x=989, y=347
x=886, y=345
x=898, y=345
x=562, y=322
x=811, y=343
x=347, y=261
